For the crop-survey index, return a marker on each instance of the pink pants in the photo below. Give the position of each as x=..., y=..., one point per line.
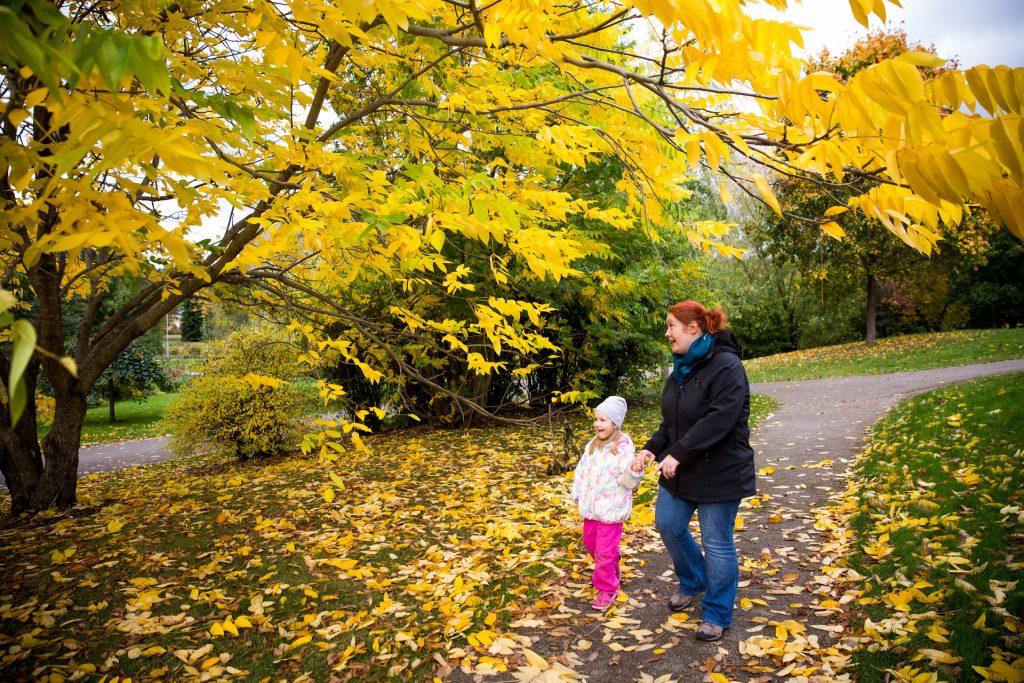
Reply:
x=602, y=542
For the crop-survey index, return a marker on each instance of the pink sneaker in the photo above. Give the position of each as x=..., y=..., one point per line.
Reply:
x=604, y=600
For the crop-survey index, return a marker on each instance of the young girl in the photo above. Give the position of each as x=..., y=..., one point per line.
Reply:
x=603, y=486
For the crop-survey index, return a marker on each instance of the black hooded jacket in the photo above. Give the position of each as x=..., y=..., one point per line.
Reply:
x=705, y=426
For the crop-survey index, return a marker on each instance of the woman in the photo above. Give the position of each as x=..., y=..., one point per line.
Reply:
x=704, y=459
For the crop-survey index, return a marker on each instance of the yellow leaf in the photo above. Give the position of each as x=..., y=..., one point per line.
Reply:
x=535, y=659
x=69, y=365
x=765, y=190
x=16, y=116
x=243, y=622
x=921, y=58
x=833, y=229
x=299, y=642
x=337, y=481
x=940, y=656
x=216, y=629
x=328, y=494
x=1004, y=671
x=35, y=97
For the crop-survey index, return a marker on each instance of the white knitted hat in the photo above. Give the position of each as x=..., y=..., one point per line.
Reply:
x=614, y=408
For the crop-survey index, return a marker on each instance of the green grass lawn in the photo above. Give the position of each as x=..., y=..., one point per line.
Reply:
x=893, y=354
x=938, y=515
x=134, y=420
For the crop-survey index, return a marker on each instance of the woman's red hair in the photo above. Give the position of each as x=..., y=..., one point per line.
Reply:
x=709, y=321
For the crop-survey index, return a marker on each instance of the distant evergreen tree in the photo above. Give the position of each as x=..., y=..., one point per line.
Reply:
x=191, y=321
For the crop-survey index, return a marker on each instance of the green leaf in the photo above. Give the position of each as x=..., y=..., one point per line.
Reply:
x=24, y=345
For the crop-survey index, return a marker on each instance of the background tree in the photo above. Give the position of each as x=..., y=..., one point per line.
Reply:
x=354, y=140
x=191, y=321
x=993, y=295
x=132, y=373
x=852, y=246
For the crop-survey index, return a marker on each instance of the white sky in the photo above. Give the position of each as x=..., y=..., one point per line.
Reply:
x=974, y=31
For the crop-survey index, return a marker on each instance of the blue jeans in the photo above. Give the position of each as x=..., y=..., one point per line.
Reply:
x=715, y=571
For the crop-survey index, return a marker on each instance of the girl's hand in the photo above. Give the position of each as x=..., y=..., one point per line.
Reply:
x=667, y=466
x=648, y=457
x=638, y=464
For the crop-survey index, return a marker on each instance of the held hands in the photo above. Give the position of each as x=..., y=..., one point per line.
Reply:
x=647, y=456
x=644, y=458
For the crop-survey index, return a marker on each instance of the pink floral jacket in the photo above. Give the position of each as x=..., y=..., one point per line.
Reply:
x=603, y=484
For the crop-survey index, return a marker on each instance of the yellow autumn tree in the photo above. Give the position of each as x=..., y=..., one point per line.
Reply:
x=335, y=138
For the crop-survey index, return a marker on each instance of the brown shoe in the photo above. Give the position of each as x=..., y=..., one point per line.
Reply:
x=680, y=601
x=708, y=632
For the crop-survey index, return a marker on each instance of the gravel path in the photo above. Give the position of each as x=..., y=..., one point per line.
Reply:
x=107, y=457
x=809, y=440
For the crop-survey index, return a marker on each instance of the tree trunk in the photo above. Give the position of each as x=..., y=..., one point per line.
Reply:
x=21, y=461
x=41, y=476
x=478, y=388
x=110, y=400
x=872, y=311
x=58, y=483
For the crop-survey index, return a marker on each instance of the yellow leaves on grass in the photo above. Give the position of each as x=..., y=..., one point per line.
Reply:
x=62, y=556
x=921, y=547
x=1003, y=669
x=229, y=626
x=879, y=549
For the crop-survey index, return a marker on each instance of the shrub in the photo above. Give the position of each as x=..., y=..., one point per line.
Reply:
x=239, y=416
x=241, y=404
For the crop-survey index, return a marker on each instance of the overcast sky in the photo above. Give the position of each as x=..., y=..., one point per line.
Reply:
x=974, y=31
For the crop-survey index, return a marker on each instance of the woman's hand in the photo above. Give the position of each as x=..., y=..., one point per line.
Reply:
x=668, y=466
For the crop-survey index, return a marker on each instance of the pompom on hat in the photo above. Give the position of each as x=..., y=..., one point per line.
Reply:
x=614, y=408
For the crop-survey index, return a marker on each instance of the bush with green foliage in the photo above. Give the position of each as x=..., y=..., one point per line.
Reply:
x=235, y=415
x=243, y=404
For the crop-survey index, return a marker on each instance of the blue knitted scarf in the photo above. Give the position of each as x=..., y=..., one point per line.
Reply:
x=698, y=349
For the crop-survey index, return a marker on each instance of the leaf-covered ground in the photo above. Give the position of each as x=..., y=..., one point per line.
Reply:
x=452, y=555
x=938, y=517
x=398, y=565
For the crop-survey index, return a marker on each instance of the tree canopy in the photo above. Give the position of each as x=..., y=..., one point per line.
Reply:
x=353, y=142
